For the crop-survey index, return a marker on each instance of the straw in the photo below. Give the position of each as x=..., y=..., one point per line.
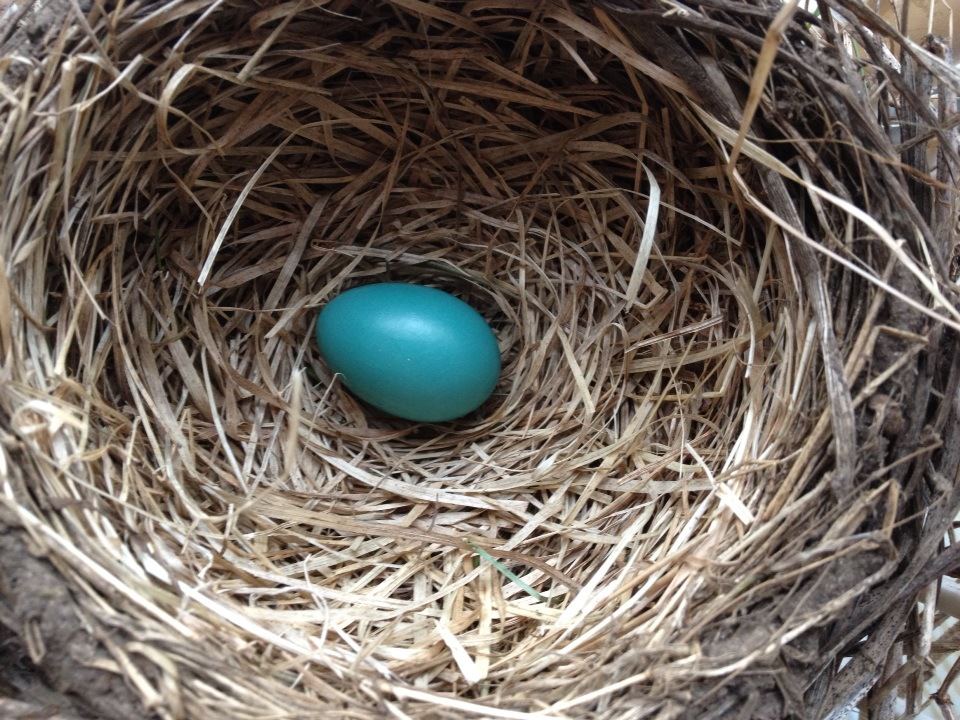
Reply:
x=717, y=471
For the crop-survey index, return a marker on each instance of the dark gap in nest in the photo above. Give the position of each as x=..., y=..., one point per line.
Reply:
x=25, y=691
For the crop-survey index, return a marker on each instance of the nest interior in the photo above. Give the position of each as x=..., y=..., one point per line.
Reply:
x=714, y=240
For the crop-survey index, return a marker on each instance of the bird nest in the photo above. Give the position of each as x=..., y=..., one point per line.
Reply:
x=716, y=242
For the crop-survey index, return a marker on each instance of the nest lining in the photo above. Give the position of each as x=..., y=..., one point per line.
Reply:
x=667, y=446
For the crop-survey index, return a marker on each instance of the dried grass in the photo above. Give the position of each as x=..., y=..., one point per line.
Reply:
x=724, y=448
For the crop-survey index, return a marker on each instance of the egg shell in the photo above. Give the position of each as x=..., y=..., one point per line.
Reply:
x=410, y=350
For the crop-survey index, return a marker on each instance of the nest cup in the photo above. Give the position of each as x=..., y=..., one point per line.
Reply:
x=715, y=243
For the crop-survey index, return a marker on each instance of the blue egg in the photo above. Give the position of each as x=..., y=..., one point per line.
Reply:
x=412, y=351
